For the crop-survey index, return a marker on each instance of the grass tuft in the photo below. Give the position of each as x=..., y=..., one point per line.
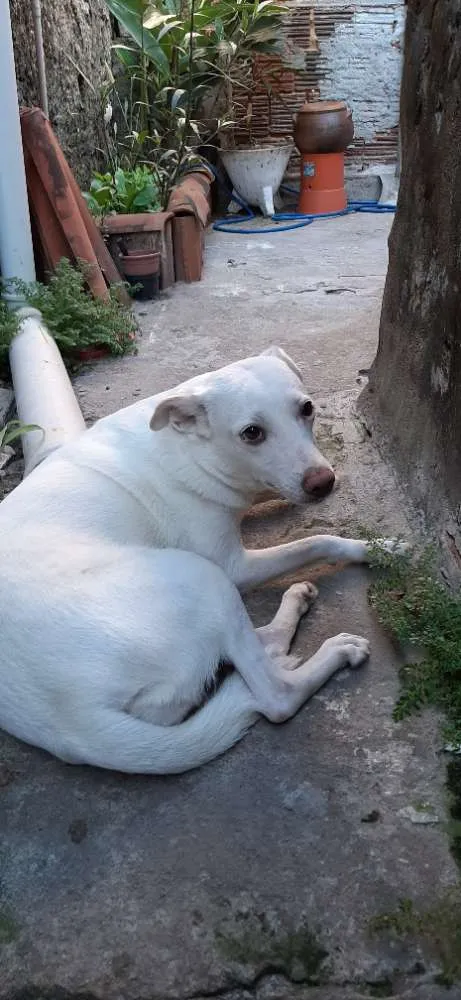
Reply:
x=419, y=611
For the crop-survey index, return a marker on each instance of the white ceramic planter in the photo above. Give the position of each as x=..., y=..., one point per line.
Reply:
x=257, y=173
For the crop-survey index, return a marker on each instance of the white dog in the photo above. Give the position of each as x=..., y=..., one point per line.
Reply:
x=121, y=563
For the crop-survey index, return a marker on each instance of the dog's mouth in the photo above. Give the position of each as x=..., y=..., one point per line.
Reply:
x=298, y=496
x=307, y=498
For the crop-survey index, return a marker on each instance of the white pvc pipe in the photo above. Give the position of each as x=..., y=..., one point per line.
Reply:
x=44, y=394
x=16, y=253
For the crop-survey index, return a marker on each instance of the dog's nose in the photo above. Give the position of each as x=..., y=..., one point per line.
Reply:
x=318, y=483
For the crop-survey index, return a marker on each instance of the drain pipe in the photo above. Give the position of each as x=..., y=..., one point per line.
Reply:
x=40, y=53
x=16, y=254
x=44, y=394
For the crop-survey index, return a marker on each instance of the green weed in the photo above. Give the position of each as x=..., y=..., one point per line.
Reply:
x=420, y=612
x=437, y=928
x=73, y=317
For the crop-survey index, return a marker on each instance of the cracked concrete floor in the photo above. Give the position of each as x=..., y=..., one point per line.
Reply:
x=259, y=875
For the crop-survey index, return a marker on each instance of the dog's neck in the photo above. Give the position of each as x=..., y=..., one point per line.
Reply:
x=188, y=468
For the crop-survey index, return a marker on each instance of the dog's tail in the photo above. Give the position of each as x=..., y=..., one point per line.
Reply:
x=121, y=742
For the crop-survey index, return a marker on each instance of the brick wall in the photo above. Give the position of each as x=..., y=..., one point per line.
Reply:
x=359, y=61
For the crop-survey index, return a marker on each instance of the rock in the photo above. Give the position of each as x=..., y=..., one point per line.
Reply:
x=371, y=817
x=424, y=814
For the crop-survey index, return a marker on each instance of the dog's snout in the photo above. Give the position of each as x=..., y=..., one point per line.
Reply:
x=318, y=483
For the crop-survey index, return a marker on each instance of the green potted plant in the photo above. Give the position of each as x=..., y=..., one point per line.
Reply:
x=83, y=327
x=196, y=64
x=245, y=58
x=124, y=193
x=149, y=115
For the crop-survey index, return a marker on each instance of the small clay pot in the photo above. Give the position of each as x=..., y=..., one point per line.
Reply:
x=142, y=269
x=323, y=127
x=92, y=353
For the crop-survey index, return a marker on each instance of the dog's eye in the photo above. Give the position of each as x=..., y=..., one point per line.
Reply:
x=253, y=434
x=307, y=409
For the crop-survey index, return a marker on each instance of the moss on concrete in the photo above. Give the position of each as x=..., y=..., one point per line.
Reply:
x=437, y=930
x=298, y=953
x=9, y=929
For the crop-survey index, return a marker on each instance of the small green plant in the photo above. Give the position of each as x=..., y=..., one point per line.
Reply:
x=419, y=611
x=73, y=317
x=13, y=430
x=123, y=191
x=8, y=323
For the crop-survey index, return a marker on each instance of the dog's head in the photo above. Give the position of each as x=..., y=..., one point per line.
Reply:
x=250, y=426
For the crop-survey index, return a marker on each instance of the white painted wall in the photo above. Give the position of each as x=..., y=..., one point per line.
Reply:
x=364, y=60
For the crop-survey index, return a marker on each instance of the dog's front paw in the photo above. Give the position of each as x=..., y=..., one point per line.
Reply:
x=393, y=546
x=353, y=649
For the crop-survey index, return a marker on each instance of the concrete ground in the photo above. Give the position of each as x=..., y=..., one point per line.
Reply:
x=260, y=875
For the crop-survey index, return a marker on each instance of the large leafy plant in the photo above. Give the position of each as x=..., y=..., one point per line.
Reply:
x=239, y=35
x=188, y=73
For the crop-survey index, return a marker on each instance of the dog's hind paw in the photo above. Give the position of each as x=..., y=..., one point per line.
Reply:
x=354, y=649
x=304, y=594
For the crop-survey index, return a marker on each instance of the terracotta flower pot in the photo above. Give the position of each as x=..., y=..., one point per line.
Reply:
x=190, y=202
x=142, y=270
x=93, y=353
x=144, y=232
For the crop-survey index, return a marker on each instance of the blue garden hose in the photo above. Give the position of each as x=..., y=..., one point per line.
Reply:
x=294, y=220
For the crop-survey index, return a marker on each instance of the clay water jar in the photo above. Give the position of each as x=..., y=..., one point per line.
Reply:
x=323, y=127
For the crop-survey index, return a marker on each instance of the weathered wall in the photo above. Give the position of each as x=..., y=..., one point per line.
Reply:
x=360, y=60
x=415, y=384
x=77, y=40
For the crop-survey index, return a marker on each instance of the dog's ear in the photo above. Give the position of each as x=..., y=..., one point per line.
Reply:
x=278, y=352
x=185, y=414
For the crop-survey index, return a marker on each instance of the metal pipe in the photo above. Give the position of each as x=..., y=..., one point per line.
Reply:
x=40, y=53
x=16, y=252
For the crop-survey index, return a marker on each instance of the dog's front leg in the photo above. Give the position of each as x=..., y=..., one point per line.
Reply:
x=252, y=567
